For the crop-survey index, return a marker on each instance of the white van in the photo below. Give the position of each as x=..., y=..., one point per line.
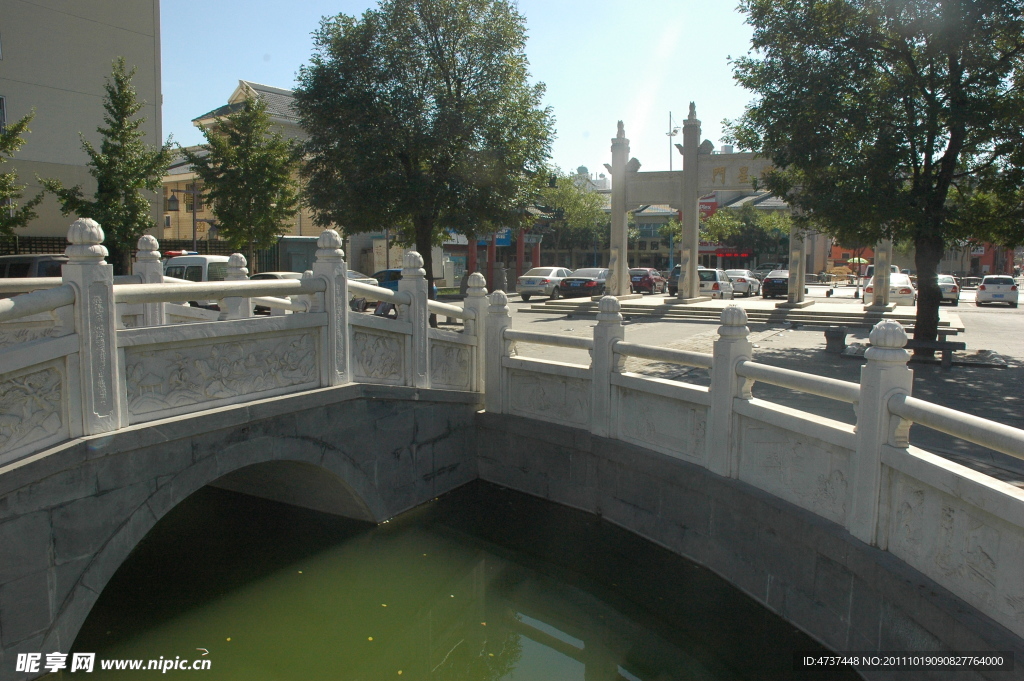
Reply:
x=197, y=268
x=870, y=272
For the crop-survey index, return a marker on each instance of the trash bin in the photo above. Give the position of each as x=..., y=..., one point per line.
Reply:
x=835, y=339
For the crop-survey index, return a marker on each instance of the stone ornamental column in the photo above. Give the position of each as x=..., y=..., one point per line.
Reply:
x=498, y=319
x=617, y=283
x=93, y=279
x=607, y=333
x=884, y=375
x=732, y=347
x=476, y=301
x=414, y=282
x=236, y=308
x=330, y=266
x=689, y=247
x=881, y=281
x=797, y=267
x=148, y=266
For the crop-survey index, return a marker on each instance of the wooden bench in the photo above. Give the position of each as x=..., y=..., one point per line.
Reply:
x=944, y=346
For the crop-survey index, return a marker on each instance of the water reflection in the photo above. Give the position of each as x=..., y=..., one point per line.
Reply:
x=481, y=585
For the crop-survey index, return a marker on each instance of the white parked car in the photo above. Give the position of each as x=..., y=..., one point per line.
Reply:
x=950, y=289
x=901, y=291
x=997, y=288
x=541, y=281
x=716, y=283
x=745, y=282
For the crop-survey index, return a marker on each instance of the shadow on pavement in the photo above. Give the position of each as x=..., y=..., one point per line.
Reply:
x=990, y=393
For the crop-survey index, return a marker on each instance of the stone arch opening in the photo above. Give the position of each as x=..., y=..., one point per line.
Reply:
x=300, y=484
x=197, y=518
x=306, y=479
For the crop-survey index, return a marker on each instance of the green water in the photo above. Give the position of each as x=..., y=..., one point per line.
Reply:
x=482, y=584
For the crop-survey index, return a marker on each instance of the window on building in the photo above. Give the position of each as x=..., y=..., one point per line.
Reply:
x=655, y=245
x=642, y=246
x=846, y=256
x=167, y=221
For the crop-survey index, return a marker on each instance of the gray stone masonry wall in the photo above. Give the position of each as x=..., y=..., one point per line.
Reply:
x=68, y=519
x=846, y=594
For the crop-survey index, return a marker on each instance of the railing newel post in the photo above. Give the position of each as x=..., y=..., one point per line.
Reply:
x=335, y=346
x=236, y=308
x=884, y=375
x=607, y=333
x=732, y=347
x=148, y=266
x=102, y=384
x=498, y=320
x=476, y=301
x=414, y=282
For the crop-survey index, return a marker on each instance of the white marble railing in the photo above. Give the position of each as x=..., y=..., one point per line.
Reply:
x=963, y=529
x=85, y=354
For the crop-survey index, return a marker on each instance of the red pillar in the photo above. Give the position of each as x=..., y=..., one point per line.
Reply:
x=492, y=253
x=536, y=254
x=471, y=255
x=520, y=253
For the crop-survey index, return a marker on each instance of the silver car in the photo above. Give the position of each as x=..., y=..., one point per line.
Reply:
x=745, y=282
x=541, y=281
x=716, y=283
x=950, y=289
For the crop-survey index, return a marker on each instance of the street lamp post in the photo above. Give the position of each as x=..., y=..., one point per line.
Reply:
x=172, y=206
x=672, y=132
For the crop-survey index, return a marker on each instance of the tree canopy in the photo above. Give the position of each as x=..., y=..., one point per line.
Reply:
x=125, y=168
x=581, y=218
x=420, y=117
x=250, y=175
x=896, y=119
x=14, y=215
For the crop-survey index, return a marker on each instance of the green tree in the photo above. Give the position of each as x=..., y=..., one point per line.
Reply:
x=12, y=214
x=581, y=219
x=420, y=117
x=891, y=118
x=249, y=174
x=125, y=169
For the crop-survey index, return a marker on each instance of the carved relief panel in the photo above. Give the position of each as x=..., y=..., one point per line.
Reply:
x=378, y=357
x=450, y=365
x=168, y=379
x=550, y=398
x=800, y=469
x=670, y=426
x=32, y=408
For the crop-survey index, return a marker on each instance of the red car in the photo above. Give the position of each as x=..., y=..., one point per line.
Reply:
x=647, y=280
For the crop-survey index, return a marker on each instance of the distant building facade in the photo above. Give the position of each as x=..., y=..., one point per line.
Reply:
x=55, y=59
x=181, y=181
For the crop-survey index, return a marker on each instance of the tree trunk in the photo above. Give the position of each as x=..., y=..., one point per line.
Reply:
x=250, y=257
x=929, y=249
x=424, y=227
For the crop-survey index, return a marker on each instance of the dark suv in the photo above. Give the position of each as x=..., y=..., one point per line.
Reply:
x=672, y=284
x=20, y=266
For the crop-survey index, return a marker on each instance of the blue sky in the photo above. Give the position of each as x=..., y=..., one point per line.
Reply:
x=602, y=61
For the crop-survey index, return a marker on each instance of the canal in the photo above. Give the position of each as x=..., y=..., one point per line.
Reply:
x=481, y=584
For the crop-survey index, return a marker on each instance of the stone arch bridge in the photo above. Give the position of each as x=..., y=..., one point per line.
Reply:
x=117, y=402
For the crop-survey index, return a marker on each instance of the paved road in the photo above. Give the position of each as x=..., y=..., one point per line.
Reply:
x=991, y=333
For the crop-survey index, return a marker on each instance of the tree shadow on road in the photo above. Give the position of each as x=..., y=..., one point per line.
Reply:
x=996, y=394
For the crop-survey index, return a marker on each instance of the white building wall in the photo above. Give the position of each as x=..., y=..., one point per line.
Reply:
x=57, y=56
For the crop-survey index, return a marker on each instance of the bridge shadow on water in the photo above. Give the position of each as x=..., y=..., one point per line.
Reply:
x=483, y=583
